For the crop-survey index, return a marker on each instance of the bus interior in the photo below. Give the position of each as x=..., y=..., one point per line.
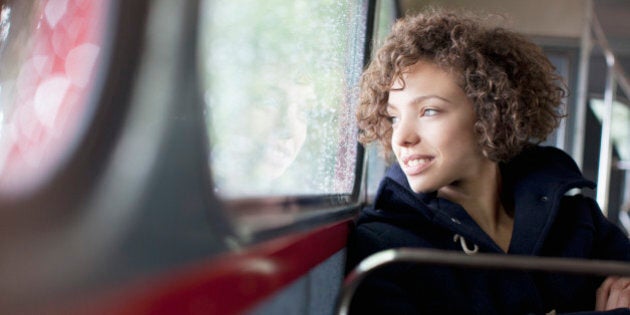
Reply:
x=201, y=156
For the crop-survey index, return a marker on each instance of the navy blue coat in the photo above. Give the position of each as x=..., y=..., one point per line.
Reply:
x=547, y=222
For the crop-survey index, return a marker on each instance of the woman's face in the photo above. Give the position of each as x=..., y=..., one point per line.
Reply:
x=433, y=129
x=283, y=127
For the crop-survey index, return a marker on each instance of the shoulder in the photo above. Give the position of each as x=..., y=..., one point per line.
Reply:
x=579, y=203
x=545, y=160
x=582, y=219
x=583, y=209
x=577, y=214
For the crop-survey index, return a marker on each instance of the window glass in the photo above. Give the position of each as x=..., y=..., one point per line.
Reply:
x=620, y=132
x=386, y=16
x=48, y=53
x=377, y=163
x=280, y=82
x=561, y=62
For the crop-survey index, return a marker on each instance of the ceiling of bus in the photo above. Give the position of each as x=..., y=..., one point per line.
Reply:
x=557, y=21
x=614, y=16
x=561, y=18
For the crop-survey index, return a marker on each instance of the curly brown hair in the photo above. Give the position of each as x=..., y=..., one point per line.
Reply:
x=514, y=88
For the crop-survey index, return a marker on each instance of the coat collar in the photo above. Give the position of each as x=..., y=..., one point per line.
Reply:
x=537, y=179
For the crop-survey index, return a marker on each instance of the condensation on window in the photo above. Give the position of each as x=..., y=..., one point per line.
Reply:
x=280, y=83
x=48, y=51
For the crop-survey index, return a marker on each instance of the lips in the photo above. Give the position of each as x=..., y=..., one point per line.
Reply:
x=416, y=164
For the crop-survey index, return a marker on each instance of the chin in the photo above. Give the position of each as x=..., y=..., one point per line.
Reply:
x=422, y=189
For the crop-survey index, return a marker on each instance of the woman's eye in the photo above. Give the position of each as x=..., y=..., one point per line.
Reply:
x=393, y=119
x=429, y=112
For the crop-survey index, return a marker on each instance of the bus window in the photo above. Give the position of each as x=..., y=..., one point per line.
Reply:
x=386, y=14
x=562, y=61
x=621, y=120
x=618, y=194
x=48, y=53
x=277, y=76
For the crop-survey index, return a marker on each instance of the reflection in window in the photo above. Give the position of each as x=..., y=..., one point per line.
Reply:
x=48, y=52
x=279, y=79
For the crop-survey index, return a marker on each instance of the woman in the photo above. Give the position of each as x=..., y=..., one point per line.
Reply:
x=462, y=107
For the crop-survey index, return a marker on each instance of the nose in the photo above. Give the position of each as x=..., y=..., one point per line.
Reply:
x=405, y=132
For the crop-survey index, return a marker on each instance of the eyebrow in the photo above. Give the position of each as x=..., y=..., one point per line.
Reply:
x=422, y=98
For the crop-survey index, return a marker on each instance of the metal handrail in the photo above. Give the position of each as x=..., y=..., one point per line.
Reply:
x=593, y=34
x=487, y=261
x=605, y=152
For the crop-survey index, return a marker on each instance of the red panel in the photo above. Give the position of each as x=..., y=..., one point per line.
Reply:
x=230, y=284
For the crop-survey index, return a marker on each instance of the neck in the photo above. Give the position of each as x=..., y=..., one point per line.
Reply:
x=481, y=198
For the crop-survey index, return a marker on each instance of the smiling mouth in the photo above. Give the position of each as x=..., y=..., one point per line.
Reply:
x=416, y=165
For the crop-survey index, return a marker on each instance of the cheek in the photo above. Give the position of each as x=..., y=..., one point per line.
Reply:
x=457, y=141
x=299, y=133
